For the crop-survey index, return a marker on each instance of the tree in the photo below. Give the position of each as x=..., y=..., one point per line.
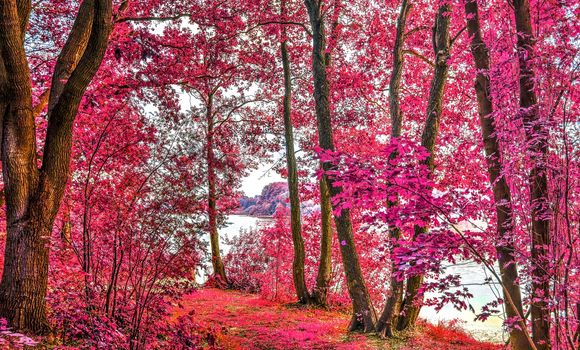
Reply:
x=501, y=191
x=192, y=95
x=441, y=47
x=388, y=320
x=294, y=195
x=537, y=138
x=320, y=292
x=324, y=276
x=364, y=315
x=218, y=75
x=33, y=195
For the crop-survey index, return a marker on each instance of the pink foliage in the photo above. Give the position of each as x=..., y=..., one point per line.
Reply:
x=132, y=228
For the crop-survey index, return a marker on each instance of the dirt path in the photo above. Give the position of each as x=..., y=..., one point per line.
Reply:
x=245, y=321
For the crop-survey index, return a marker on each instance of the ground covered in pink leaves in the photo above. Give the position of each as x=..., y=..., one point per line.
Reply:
x=244, y=321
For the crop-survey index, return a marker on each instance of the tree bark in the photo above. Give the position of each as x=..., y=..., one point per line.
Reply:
x=24, y=279
x=386, y=325
x=294, y=194
x=577, y=334
x=364, y=314
x=72, y=51
x=388, y=320
x=324, y=276
x=219, y=271
x=33, y=196
x=537, y=137
x=441, y=41
x=500, y=188
x=66, y=230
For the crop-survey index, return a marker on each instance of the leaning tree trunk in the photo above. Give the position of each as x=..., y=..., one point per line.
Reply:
x=219, y=271
x=501, y=191
x=364, y=315
x=33, y=195
x=295, y=221
x=324, y=275
x=441, y=41
x=537, y=137
x=388, y=320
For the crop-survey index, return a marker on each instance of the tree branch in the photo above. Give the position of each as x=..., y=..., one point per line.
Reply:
x=72, y=51
x=42, y=102
x=414, y=30
x=416, y=54
x=55, y=163
x=286, y=23
x=457, y=35
x=154, y=18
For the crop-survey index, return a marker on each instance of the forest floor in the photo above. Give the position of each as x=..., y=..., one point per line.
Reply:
x=234, y=320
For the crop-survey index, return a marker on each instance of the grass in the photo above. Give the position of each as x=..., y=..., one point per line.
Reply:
x=246, y=321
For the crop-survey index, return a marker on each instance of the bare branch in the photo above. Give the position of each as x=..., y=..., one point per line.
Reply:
x=416, y=54
x=154, y=18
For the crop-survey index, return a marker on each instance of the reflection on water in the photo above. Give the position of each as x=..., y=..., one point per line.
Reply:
x=473, y=277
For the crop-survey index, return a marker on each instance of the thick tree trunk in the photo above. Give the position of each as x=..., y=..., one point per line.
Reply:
x=388, y=320
x=219, y=271
x=294, y=194
x=24, y=281
x=364, y=315
x=325, y=266
x=537, y=137
x=33, y=196
x=3, y=94
x=441, y=41
x=500, y=188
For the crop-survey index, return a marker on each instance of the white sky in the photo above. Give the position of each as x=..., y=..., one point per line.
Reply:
x=252, y=185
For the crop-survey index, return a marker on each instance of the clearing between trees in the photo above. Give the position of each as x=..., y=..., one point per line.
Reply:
x=228, y=319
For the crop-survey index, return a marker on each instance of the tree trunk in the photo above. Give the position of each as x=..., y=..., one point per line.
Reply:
x=33, y=196
x=3, y=95
x=441, y=42
x=387, y=321
x=364, y=315
x=500, y=188
x=71, y=53
x=295, y=221
x=411, y=304
x=24, y=281
x=537, y=137
x=219, y=271
x=577, y=334
x=87, y=250
x=325, y=267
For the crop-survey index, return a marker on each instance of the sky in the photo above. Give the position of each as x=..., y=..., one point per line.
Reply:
x=252, y=185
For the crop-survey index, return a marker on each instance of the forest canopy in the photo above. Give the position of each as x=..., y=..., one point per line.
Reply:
x=411, y=136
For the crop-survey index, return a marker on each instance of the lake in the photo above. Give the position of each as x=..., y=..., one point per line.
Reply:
x=473, y=276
